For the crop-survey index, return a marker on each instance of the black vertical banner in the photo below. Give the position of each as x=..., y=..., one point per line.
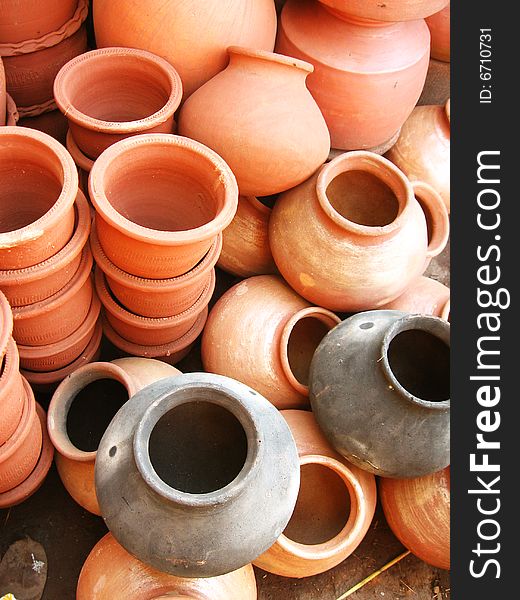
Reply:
x=485, y=254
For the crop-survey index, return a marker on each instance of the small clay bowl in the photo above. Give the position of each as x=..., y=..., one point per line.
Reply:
x=12, y=394
x=6, y=323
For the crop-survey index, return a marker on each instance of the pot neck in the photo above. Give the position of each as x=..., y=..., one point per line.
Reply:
x=268, y=62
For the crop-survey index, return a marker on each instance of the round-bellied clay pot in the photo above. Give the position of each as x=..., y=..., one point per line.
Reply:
x=418, y=512
x=353, y=236
x=3, y=95
x=271, y=131
x=12, y=394
x=423, y=296
x=381, y=377
x=193, y=37
x=38, y=186
x=390, y=10
x=52, y=123
x=335, y=506
x=367, y=75
x=439, y=26
x=437, y=86
x=111, y=572
x=80, y=410
x=113, y=93
x=245, y=244
x=422, y=151
x=162, y=226
x=58, y=316
x=40, y=281
x=6, y=323
x=206, y=455
x=262, y=333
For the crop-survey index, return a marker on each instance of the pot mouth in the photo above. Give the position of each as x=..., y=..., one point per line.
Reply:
x=91, y=89
x=8, y=448
x=164, y=189
x=6, y=324
x=272, y=57
x=81, y=160
x=364, y=193
x=416, y=360
x=214, y=452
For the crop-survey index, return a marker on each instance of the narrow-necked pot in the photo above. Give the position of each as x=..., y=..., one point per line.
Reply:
x=52, y=123
x=113, y=93
x=206, y=455
x=390, y=10
x=162, y=226
x=423, y=296
x=157, y=297
x=12, y=394
x=56, y=317
x=80, y=405
x=439, y=26
x=40, y=281
x=263, y=334
x=334, y=509
x=6, y=323
x=381, y=377
x=39, y=176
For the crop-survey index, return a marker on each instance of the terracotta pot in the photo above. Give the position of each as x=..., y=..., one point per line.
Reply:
x=111, y=572
x=192, y=36
x=245, y=246
x=56, y=317
x=38, y=174
x=82, y=161
x=335, y=506
x=262, y=333
x=423, y=296
x=391, y=370
x=41, y=281
x=367, y=75
x=422, y=151
x=52, y=123
x=11, y=112
x=353, y=236
x=205, y=455
x=157, y=297
x=3, y=95
x=33, y=482
x=144, y=229
x=12, y=395
x=418, y=512
x=437, y=85
x=6, y=323
x=271, y=141
x=19, y=454
x=81, y=408
x=390, y=10
x=439, y=26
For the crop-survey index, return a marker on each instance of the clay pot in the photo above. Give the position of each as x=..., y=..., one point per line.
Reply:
x=6, y=323
x=383, y=376
x=157, y=297
x=11, y=112
x=19, y=454
x=439, y=26
x=58, y=316
x=437, y=85
x=12, y=394
x=271, y=140
x=423, y=296
x=52, y=123
x=418, y=512
x=81, y=408
x=353, y=236
x=390, y=10
x=262, y=333
x=110, y=94
x=32, y=483
x=367, y=75
x=245, y=245
x=38, y=186
x=422, y=151
x=41, y=281
x=144, y=227
x=111, y=572
x=335, y=506
x=3, y=95
x=198, y=457
x=192, y=36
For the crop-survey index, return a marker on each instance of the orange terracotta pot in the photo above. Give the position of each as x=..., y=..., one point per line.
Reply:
x=41, y=281
x=52, y=123
x=423, y=296
x=437, y=86
x=353, y=237
x=12, y=394
x=439, y=26
x=271, y=140
x=260, y=332
x=38, y=174
x=245, y=246
x=367, y=75
x=422, y=151
x=93, y=394
x=111, y=572
x=390, y=10
x=192, y=36
x=144, y=229
x=335, y=506
x=6, y=323
x=418, y=512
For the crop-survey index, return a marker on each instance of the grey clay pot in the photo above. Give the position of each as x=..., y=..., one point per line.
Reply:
x=197, y=475
x=379, y=388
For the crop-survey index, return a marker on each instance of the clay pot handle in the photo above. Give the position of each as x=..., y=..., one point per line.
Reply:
x=436, y=216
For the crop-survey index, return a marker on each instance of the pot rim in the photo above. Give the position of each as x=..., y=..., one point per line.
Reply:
x=8, y=448
x=6, y=324
x=175, y=143
x=80, y=159
x=272, y=57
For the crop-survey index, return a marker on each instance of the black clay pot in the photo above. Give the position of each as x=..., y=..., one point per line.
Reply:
x=379, y=388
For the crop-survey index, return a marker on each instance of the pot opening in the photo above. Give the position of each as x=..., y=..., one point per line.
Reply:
x=362, y=198
x=304, y=338
x=322, y=508
x=198, y=447
x=420, y=362
x=92, y=410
